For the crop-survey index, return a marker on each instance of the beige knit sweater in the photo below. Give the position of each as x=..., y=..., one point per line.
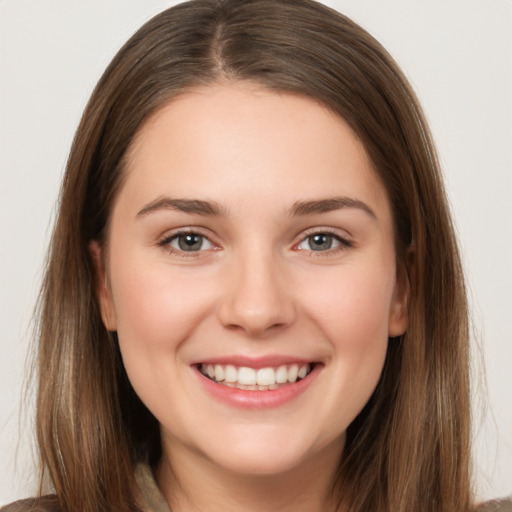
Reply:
x=153, y=501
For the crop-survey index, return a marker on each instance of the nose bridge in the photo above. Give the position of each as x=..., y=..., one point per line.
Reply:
x=256, y=298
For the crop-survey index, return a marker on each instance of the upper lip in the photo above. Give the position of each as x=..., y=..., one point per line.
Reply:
x=254, y=362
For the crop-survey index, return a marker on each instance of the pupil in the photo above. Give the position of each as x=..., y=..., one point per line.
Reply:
x=190, y=242
x=321, y=242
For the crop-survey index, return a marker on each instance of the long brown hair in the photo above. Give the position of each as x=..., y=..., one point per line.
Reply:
x=408, y=449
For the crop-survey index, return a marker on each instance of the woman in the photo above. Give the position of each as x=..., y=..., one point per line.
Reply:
x=254, y=298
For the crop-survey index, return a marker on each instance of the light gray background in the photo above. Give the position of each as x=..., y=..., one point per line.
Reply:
x=457, y=54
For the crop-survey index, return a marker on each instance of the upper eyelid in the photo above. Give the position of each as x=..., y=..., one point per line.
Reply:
x=338, y=233
x=164, y=242
x=342, y=234
x=173, y=233
x=345, y=240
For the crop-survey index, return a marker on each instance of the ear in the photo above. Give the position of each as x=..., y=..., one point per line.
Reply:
x=399, y=310
x=102, y=287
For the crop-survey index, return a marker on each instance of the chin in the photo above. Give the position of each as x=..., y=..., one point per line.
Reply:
x=267, y=453
x=271, y=463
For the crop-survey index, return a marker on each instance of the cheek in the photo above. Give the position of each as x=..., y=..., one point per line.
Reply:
x=352, y=305
x=157, y=311
x=155, y=308
x=352, y=313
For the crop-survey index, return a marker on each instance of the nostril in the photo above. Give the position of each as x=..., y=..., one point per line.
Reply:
x=256, y=302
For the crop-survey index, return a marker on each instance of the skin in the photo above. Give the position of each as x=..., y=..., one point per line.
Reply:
x=255, y=288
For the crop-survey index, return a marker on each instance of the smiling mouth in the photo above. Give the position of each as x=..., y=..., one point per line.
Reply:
x=251, y=379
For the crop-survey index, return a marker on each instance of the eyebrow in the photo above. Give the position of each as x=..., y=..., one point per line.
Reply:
x=192, y=206
x=211, y=208
x=329, y=205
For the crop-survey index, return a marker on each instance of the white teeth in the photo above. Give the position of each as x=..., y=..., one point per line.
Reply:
x=246, y=376
x=266, y=376
x=219, y=373
x=262, y=379
x=230, y=373
x=303, y=371
x=293, y=373
x=282, y=375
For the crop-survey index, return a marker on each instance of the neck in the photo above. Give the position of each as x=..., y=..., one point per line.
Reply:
x=191, y=483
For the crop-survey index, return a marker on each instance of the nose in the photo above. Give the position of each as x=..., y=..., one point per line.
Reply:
x=256, y=298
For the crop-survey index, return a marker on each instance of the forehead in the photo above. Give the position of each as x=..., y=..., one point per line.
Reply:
x=251, y=138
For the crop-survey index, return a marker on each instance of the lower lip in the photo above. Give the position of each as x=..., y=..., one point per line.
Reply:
x=249, y=399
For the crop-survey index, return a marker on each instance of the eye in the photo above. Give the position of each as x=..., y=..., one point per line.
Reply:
x=321, y=242
x=188, y=242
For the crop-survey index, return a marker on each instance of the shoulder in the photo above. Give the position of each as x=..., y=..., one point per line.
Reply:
x=504, y=505
x=43, y=504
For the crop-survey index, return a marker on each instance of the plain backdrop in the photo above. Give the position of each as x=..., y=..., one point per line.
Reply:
x=458, y=56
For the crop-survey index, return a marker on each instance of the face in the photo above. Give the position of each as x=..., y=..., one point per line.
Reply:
x=251, y=277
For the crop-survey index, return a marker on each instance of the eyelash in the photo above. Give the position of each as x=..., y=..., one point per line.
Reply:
x=344, y=244
x=165, y=243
